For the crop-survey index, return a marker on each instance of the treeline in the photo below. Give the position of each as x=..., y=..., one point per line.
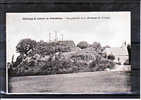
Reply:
x=59, y=57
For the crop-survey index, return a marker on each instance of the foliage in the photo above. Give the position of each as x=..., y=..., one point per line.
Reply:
x=25, y=45
x=59, y=64
x=68, y=43
x=100, y=64
x=111, y=57
x=59, y=57
x=129, y=52
x=82, y=44
x=97, y=47
x=44, y=48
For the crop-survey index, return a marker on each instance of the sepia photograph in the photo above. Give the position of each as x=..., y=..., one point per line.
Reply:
x=68, y=52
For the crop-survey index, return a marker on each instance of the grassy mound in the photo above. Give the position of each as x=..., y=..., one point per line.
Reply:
x=59, y=58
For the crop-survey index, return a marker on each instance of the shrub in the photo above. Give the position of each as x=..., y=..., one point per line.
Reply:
x=44, y=48
x=68, y=43
x=100, y=64
x=111, y=57
x=58, y=58
x=18, y=60
x=89, y=49
x=82, y=44
x=83, y=56
x=97, y=47
x=58, y=64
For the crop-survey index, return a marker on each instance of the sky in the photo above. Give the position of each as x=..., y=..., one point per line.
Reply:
x=108, y=28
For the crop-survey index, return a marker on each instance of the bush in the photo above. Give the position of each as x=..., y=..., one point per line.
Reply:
x=97, y=47
x=44, y=48
x=58, y=64
x=82, y=44
x=100, y=64
x=58, y=58
x=68, y=43
x=83, y=56
x=89, y=49
x=111, y=57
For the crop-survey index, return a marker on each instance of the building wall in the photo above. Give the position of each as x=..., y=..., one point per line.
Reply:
x=122, y=59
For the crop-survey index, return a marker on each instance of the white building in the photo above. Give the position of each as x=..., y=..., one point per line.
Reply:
x=120, y=53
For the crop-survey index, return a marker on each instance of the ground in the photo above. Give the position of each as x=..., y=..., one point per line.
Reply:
x=85, y=82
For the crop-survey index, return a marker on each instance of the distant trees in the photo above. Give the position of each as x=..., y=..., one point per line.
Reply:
x=82, y=44
x=96, y=45
x=30, y=47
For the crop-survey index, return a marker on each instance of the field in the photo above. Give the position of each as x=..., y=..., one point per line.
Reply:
x=85, y=82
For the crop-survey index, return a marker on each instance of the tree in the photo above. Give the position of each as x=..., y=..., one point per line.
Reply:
x=82, y=44
x=129, y=52
x=25, y=45
x=96, y=45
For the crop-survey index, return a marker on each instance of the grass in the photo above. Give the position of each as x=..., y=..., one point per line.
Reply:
x=85, y=82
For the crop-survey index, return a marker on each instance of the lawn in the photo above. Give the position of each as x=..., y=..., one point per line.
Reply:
x=85, y=82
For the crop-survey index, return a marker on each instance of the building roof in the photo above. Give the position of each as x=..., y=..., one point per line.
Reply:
x=117, y=51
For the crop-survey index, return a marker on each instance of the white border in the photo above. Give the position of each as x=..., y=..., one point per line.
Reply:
x=7, y=86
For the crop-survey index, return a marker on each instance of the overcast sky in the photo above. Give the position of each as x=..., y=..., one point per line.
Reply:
x=108, y=28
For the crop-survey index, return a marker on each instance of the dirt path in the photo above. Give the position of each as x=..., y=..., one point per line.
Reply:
x=86, y=82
